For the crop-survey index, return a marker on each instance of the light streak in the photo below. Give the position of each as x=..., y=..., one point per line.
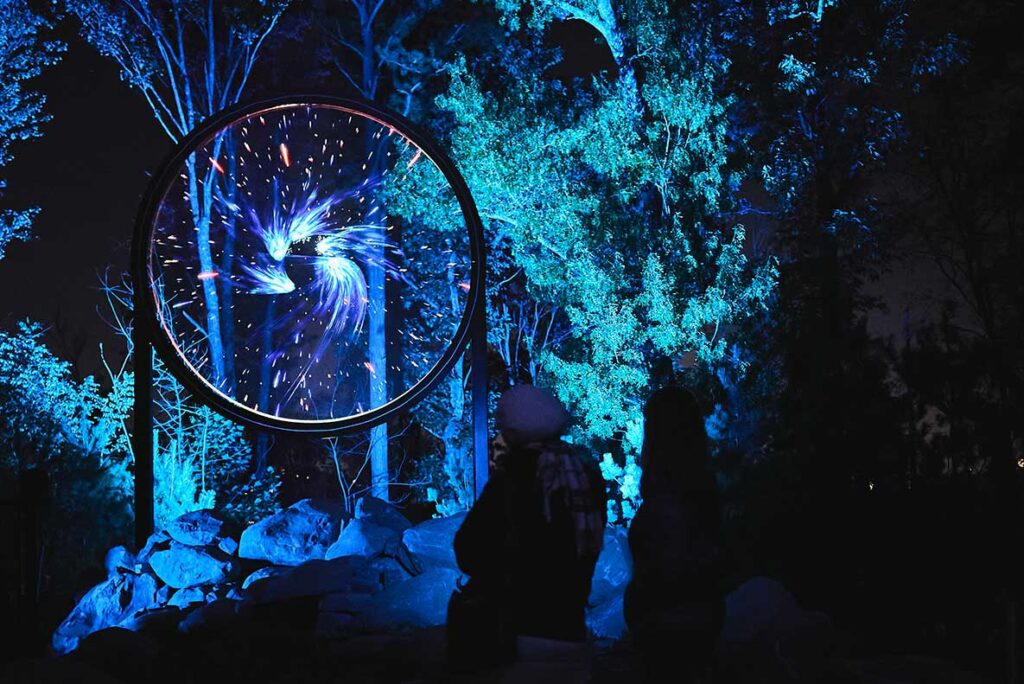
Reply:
x=415, y=158
x=270, y=280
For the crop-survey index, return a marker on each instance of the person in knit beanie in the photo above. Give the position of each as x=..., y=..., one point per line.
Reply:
x=536, y=531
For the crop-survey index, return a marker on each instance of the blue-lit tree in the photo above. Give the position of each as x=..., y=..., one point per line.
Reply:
x=71, y=430
x=202, y=459
x=824, y=123
x=24, y=53
x=373, y=46
x=188, y=59
x=605, y=204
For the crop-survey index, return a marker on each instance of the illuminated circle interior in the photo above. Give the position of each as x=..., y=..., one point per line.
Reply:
x=309, y=263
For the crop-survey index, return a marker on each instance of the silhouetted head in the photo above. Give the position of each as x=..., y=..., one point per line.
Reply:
x=527, y=414
x=675, y=452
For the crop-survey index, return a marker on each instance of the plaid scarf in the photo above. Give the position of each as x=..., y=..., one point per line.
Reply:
x=562, y=470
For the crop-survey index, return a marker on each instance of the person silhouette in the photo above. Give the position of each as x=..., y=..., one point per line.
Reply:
x=531, y=541
x=674, y=607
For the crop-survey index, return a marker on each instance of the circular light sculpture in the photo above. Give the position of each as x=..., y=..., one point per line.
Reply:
x=310, y=264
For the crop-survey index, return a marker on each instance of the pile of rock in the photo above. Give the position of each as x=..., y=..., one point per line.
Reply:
x=373, y=571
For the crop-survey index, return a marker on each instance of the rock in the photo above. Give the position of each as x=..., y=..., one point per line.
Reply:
x=235, y=594
x=755, y=607
x=183, y=598
x=330, y=625
x=372, y=575
x=420, y=601
x=607, y=620
x=163, y=594
x=213, y=615
x=197, y=528
x=401, y=554
x=222, y=591
x=352, y=602
x=157, y=541
x=108, y=604
x=614, y=567
x=314, y=578
x=340, y=613
x=183, y=566
x=122, y=654
x=299, y=533
x=380, y=573
x=361, y=538
x=767, y=634
x=228, y=545
x=263, y=573
x=119, y=559
x=432, y=542
x=157, y=621
x=381, y=513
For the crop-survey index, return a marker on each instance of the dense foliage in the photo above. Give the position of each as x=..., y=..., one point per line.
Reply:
x=24, y=52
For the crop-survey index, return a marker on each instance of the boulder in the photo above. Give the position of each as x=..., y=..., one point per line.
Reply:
x=158, y=541
x=431, y=543
x=222, y=591
x=315, y=578
x=159, y=621
x=263, y=573
x=767, y=634
x=108, y=604
x=340, y=613
x=119, y=559
x=420, y=601
x=183, y=598
x=335, y=625
x=122, y=654
x=183, y=566
x=221, y=613
x=228, y=545
x=197, y=528
x=299, y=533
x=374, y=574
x=614, y=567
x=352, y=602
x=380, y=512
x=607, y=620
x=362, y=538
x=380, y=573
x=758, y=606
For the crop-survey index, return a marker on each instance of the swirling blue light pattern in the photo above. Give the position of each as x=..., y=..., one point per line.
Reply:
x=306, y=280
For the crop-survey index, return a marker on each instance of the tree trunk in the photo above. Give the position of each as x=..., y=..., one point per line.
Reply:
x=209, y=285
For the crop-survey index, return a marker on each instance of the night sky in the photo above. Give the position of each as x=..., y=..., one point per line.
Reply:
x=88, y=173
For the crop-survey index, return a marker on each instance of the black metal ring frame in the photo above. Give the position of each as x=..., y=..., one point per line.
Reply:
x=147, y=318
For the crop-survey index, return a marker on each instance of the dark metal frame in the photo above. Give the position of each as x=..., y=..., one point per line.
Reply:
x=148, y=334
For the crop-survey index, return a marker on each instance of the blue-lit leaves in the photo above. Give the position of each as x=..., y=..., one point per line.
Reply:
x=795, y=74
x=23, y=55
